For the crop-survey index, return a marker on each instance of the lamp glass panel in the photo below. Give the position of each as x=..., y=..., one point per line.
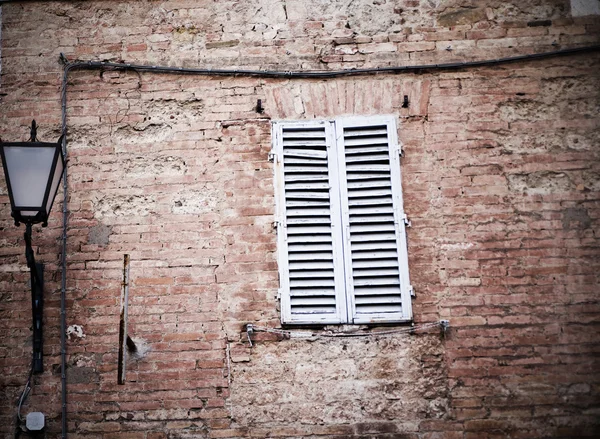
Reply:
x=28, y=169
x=55, y=181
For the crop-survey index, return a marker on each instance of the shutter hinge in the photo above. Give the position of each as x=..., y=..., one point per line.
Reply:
x=407, y=222
x=411, y=290
x=400, y=152
x=279, y=294
x=272, y=156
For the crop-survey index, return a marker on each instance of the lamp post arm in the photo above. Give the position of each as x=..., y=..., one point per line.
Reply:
x=37, y=300
x=28, y=249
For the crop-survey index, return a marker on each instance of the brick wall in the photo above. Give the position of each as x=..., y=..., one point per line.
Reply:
x=501, y=181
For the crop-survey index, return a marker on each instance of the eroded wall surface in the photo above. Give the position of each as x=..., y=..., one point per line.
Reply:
x=500, y=178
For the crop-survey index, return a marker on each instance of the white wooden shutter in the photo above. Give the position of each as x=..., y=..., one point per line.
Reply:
x=310, y=236
x=376, y=267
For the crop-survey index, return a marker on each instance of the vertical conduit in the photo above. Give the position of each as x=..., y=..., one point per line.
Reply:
x=63, y=284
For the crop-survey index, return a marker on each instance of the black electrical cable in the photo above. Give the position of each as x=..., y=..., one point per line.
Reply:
x=321, y=74
x=63, y=283
x=22, y=398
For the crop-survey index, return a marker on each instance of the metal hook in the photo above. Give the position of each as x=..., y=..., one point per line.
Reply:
x=249, y=331
x=445, y=324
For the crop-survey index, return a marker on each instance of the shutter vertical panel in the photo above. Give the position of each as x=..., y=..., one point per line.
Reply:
x=310, y=256
x=376, y=267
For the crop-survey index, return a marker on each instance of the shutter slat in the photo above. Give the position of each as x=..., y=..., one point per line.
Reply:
x=365, y=141
x=376, y=291
x=378, y=310
x=369, y=300
x=383, y=227
x=311, y=256
x=381, y=201
x=360, y=238
x=325, y=265
x=312, y=310
x=368, y=183
x=307, y=153
x=306, y=174
x=358, y=264
x=373, y=157
x=363, y=168
x=299, y=230
x=311, y=283
x=365, y=150
x=313, y=203
x=304, y=195
x=368, y=192
x=381, y=218
x=303, y=161
x=310, y=247
x=370, y=210
x=376, y=280
x=302, y=274
x=304, y=133
x=304, y=221
x=304, y=238
x=308, y=211
x=292, y=144
x=313, y=292
x=374, y=271
x=379, y=252
x=298, y=186
x=313, y=301
x=365, y=131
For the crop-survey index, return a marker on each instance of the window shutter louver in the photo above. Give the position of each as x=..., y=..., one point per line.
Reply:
x=309, y=230
x=376, y=268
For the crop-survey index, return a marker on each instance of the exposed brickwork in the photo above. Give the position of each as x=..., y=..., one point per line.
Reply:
x=501, y=180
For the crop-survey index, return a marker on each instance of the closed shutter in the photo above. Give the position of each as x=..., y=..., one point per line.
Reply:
x=376, y=268
x=309, y=232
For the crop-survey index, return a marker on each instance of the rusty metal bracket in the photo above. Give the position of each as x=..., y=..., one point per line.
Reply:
x=124, y=340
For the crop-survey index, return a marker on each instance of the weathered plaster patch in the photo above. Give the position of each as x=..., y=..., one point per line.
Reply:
x=543, y=182
x=457, y=246
x=326, y=381
x=82, y=369
x=576, y=218
x=76, y=331
x=99, y=234
x=142, y=349
x=527, y=110
x=462, y=16
x=146, y=133
x=123, y=205
x=142, y=166
x=581, y=8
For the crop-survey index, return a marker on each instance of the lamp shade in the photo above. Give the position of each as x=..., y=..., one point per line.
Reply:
x=33, y=171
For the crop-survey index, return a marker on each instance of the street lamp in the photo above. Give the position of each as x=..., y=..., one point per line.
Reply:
x=33, y=171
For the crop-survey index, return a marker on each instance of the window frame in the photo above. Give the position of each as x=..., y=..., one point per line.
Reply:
x=345, y=299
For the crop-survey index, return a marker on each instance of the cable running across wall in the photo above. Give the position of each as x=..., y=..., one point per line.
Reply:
x=90, y=65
